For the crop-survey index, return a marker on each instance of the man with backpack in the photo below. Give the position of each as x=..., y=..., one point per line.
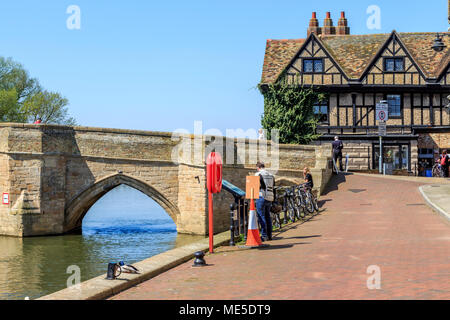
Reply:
x=445, y=163
x=263, y=204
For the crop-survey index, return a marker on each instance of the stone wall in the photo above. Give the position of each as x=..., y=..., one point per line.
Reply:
x=54, y=174
x=360, y=152
x=434, y=140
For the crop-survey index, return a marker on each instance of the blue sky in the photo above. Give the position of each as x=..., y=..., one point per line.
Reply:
x=161, y=65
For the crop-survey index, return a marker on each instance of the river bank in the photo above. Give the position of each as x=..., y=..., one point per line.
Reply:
x=113, y=230
x=100, y=288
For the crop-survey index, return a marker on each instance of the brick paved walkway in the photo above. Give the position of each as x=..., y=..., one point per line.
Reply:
x=366, y=221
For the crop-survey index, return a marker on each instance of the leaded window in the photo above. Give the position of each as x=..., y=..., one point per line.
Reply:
x=312, y=65
x=395, y=105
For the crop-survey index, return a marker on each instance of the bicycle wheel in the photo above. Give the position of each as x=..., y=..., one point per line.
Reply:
x=291, y=211
x=314, y=201
x=276, y=221
x=309, y=203
x=300, y=205
x=298, y=209
x=435, y=171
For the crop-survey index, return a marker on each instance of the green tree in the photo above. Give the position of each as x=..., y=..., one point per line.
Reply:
x=289, y=109
x=9, y=109
x=22, y=98
x=51, y=107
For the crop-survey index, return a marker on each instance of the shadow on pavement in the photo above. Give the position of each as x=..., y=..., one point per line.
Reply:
x=321, y=203
x=300, y=237
x=335, y=181
x=281, y=246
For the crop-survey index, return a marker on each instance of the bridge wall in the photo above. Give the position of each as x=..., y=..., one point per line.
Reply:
x=54, y=174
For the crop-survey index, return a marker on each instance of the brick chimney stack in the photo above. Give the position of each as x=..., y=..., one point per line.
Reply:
x=328, y=27
x=314, y=25
x=342, y=27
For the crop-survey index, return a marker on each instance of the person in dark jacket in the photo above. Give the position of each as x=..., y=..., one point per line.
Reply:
x=308, y=178
x=446, y=165
x=337, y=152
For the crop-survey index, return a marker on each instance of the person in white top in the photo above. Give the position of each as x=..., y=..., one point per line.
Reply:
x=264, y=203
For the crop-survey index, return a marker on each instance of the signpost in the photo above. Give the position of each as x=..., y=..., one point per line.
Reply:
x=382, y=128
x=382, y=111
x=382, y=115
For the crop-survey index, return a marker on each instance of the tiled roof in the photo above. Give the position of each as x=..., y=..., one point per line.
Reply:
x=278, y=55
x=419, y=45
x=354, y=53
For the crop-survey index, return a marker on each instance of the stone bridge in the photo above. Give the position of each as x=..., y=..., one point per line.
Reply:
x=54, y=174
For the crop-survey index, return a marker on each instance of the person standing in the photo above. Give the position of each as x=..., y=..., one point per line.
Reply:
x=264, y=203
x=38, y=121
x=445, y=163
x=337, y=151
x=261, y=135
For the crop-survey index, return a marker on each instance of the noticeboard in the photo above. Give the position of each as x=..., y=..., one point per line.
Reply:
x=252, y=183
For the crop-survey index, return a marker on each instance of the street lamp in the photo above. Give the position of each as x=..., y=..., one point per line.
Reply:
x=438, y=44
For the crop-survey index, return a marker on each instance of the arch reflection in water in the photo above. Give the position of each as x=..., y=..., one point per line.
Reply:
x=124, y=224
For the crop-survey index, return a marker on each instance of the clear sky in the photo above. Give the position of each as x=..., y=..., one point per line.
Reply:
x=161, y=65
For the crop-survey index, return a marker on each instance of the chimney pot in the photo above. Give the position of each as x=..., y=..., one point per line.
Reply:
x=342, y=27
x=328, y=27
x=314, y=25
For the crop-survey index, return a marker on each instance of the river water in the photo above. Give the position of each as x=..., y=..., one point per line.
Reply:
x=123, y=225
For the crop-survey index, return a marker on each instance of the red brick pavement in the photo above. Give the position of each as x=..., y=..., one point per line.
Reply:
x=382, y=222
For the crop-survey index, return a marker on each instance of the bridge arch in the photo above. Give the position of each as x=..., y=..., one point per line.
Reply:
x=77, y=208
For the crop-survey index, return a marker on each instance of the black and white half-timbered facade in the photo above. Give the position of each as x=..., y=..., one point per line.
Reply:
x=357, y=72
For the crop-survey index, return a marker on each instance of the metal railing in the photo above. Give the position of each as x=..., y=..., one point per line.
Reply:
x=239, y=219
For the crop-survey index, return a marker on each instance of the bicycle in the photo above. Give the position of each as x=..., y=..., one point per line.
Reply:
x=437, y=171
x=292, y=208
x=300, y=197
x=284, y=197
x=310, y=199
x=275, y=210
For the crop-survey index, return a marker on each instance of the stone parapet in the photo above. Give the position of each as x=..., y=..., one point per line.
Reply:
x=54, y=174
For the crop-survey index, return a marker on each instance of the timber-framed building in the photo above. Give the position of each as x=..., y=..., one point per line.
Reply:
x=357, y=72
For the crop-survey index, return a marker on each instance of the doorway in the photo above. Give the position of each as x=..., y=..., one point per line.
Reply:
x=395, y=154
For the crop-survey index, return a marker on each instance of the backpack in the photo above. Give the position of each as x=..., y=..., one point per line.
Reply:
x=269, y=181
x=444, y=160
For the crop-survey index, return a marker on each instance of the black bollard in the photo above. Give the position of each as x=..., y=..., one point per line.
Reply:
x=199, y=260
x=232, y=227
x=112, y=270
